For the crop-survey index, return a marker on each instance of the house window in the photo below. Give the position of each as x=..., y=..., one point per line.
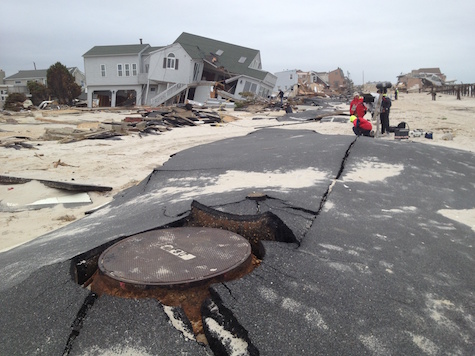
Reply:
x=147, y=66
x=250, y=87
x=134, y=69
x=119, y=70
x=127, y=70
x=170, y=62
x=242, y=59
x=291, y=76
x=103, y=70
x=196, y=72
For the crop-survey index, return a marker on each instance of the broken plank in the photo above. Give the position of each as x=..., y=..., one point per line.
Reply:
x=337, y=112
x=56, y=184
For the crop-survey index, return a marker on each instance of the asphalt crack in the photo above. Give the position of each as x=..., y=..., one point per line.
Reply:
x=332, y=184
x=76, y=326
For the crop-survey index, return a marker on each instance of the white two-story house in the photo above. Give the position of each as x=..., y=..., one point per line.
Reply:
x=192, y=68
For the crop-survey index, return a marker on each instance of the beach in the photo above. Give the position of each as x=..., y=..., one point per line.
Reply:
x=124, y=161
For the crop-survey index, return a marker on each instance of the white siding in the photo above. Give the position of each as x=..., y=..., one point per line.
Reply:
x=286, y=80
x=92, y=66
x=184, y=74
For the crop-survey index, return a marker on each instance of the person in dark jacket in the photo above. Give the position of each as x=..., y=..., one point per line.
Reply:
x=384, y=115
x=281, y=96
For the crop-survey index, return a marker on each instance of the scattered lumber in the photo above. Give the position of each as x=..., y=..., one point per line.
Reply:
x=16, y=142
x=56, y=184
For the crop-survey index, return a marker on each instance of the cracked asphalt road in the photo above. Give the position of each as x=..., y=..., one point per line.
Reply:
x=375, y=268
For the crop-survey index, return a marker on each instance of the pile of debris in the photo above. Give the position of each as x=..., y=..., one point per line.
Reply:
x=147, y=121
x=162, y=119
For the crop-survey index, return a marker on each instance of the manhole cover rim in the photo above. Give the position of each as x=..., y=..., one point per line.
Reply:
x=236, y=263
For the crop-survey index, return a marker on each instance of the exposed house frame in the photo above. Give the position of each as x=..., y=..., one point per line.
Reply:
x=192, y=68
x=297, y=82
x=421, y=79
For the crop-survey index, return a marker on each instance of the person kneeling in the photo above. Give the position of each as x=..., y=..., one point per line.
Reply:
x=361, y=126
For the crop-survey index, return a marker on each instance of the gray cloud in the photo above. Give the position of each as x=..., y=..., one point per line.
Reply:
x=373, y=39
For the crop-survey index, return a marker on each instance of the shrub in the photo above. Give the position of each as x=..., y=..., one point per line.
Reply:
x=38, y=92
x=14, y=101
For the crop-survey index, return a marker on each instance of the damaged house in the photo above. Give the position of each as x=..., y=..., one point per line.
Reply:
x=421, y=79
x=297, y=82
x=193, y=68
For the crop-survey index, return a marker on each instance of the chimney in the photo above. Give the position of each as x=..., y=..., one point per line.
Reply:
x=140, y=41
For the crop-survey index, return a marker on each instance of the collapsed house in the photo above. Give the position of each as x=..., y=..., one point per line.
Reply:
x=193, y=68
x=297, y=82
x=422, y=79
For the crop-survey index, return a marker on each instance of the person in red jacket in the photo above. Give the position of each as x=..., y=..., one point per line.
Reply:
x=361, y=126
x=357, y=106
x=354, y=103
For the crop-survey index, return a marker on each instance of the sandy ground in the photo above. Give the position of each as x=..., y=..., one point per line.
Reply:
x=125, y=162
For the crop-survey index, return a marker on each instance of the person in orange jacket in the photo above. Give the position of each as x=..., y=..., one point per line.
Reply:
x=361, y=126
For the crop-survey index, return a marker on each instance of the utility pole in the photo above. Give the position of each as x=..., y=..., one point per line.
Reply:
x=376, y=112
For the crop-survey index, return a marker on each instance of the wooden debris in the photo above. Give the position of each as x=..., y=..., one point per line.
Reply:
x=59, y=163
x=55, y=184
x=68, y=134
x=177, y=117
x=16, y=142
x=66, y=218
x=151, y=121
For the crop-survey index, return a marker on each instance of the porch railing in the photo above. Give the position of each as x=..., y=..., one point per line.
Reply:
x=167, y=94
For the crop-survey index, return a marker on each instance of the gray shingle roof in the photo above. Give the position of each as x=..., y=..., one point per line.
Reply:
x=28, y=74
x=236, y=59
x=31, y=74
x=115, y=50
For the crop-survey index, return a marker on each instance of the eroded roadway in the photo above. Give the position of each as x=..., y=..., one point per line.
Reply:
x=376, y=267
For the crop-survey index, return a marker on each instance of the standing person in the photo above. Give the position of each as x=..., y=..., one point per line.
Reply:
x=354, y=103
x=384, y=115
x=281, y=96
x=396, y=93
x=357, y=106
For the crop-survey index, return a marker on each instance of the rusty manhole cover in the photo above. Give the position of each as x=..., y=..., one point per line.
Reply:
x=176, y=256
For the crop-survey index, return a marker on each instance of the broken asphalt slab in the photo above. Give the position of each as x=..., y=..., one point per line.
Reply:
x=375, y=267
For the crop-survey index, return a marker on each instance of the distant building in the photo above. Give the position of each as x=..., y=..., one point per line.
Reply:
x=192, y=68
x=3, y=89
x=286, y=81
x=17, y=83
x=420, y=79
x=297, y=82
x=337, y=80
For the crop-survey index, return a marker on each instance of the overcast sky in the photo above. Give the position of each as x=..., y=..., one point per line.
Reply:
x=370, y=40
